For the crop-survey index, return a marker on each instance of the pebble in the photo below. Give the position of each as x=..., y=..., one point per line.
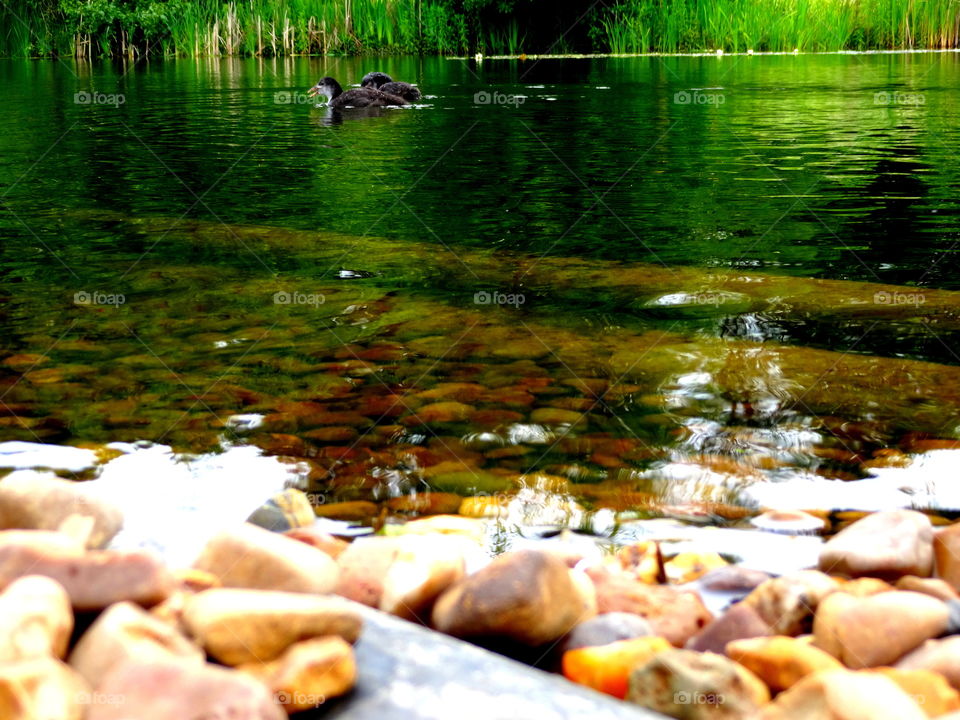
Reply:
x=41, y=689
x=176, y=689
x=842, y=694
x=359, y=510
x=675, y=614
x=790, y=522
x=604, y=629
x=287, y=510
x=527, y=596
x=421, y=570
x=934, y=587
x=787, y=603
x=879, y=629
x=886, y=545
x=308, y=673
x=733, y=578
x=688, y=684
x=93, y=580
x=42, y=501
x=930, y=690
x=244, y=626
x=739, y=622
x=780, y=661
x=247, y=556
x=946, y=548
x=940, y=656
x=606, y=668
x=36, y=619
x=325, y=542
x=123, y=633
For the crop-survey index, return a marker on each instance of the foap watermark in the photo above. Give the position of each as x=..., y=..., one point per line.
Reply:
x=92, y=97
x=698, y=97
x=883, y=297
x=84, y=297
x=698, y=698
x=497, y=98
x=899, y=98
x=99, y=698
x=283, y=297
x=498, y=298
x=291, y=97
x=299, y=699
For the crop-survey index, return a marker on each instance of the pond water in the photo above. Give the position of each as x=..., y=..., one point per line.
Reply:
x=565, y=288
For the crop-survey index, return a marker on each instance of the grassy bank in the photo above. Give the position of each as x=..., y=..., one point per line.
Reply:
x=136, y=28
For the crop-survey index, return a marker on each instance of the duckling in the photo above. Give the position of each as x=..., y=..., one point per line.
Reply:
x=385, y=83
x=358, y=97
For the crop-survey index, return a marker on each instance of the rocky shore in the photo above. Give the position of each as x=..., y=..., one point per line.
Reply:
x=263, y=624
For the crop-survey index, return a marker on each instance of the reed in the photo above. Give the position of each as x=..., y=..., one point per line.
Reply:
x=135, y=28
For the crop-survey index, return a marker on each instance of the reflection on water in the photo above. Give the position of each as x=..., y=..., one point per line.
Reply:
x=591, y=306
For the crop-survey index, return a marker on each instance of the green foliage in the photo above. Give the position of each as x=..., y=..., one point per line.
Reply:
x=273, y=27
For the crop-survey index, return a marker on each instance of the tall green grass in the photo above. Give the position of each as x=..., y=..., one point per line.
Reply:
x=777, y=25
x=90, y=28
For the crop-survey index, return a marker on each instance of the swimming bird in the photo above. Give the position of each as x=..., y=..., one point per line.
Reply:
x=385, y=83
x=358, y=97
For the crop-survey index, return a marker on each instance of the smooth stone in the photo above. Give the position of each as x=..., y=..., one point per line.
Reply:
x=250, y=557
x=42, y=689
x=879, y=629
x=325, y=542
x=443, y=412
x=688, y=684
x=888, y=545
x=287, y=510
x=787, y=603
x=422, y=569
x=675, y=614
x=178, y=689
x=733, y=578
x=946, y=548
x=125, y=632
x=36, y=619
x=607, y=668
x=843, y=695
x=865, y=587
x=40, y=501
x=604, y=629
x=244, y=626
x=930, y=690
x=93, y=580
x=934, y=587
x=739, y=622
x=791, y=522
x=363, y=567
x=308, y=673
x=528, y=597
x=689, y=566
x=940, y=656
x=780, y=661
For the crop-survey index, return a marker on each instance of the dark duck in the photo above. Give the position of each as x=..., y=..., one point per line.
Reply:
x=358, y=97
x=385, y=83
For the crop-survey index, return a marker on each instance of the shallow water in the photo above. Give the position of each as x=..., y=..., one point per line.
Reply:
x=641, y=286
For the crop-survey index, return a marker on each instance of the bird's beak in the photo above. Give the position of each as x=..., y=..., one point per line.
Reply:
x=315, y=90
